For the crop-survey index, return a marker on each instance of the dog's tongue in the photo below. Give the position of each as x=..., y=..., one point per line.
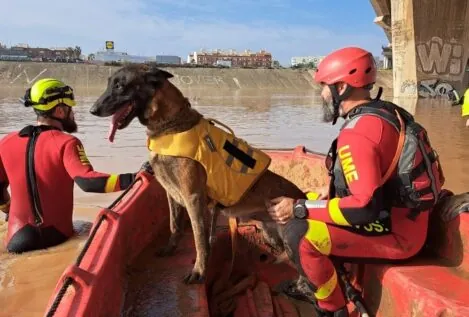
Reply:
x=112, y=131
x=116, y=117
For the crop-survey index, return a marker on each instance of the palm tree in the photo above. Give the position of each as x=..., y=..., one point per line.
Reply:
x=77, y=51
x=70, y=53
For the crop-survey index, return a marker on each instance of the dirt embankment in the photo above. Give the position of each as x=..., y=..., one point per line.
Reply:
x=90, y=77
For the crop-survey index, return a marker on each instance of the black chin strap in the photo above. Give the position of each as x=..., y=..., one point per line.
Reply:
x=337, y=99
x=64, y=120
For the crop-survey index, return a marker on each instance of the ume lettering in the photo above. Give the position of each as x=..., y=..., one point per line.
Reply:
x=348, y=166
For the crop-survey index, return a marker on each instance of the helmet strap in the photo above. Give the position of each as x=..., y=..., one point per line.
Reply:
x=378, y=95
x=60, y=120
x=337, y=99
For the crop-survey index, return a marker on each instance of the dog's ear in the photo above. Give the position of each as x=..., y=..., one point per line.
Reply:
x=156, y=76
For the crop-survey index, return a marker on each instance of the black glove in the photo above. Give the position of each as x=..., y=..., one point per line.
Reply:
x=147, y=168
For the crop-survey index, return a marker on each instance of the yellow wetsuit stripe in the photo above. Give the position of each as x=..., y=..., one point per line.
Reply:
x=318, y=235
x=336, y=214
x=312, y=195
x=326, y=289
x=111, y=183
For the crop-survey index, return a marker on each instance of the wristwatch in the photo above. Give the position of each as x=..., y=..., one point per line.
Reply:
x=299, y=209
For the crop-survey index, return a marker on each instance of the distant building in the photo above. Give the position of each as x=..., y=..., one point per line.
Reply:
x=387, y=53
x=244, y=59
x=295, y=61
x=7, y=54
x=168, y=59
x=298, y=60
x=113, y=56
x=225, y=63
x=24, y=52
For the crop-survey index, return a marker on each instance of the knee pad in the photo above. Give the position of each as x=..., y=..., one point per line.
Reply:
x=293, y=233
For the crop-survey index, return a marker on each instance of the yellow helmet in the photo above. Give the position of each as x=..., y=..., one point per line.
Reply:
x=47, y=93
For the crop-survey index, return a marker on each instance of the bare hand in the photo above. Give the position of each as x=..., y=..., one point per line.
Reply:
x=467, y=123
x=281, y=209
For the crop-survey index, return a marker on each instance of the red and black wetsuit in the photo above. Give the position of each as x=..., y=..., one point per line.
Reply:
x=358, y=220
x=41, y=164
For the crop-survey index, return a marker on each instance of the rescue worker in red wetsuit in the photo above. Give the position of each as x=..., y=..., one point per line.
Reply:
x=365, y=214
x=40, y=165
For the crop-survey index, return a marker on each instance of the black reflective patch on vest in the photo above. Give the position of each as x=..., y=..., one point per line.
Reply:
x=238, y=154
x=244, y=168
x=230, y=158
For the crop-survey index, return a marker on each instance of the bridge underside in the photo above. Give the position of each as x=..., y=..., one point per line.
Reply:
x=430, y=44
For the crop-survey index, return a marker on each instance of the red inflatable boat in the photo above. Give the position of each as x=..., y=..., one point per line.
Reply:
x=118, y=274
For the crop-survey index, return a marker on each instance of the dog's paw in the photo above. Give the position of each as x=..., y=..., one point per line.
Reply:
x=194, y=278
x=166, y=251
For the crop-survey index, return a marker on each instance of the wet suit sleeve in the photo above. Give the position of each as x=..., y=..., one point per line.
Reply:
x=360, y=162
x=80, y=169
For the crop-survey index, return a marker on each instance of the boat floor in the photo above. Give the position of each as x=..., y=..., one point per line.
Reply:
x=155, y=286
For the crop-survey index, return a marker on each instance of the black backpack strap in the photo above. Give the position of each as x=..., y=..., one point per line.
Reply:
x=331, y=157
x=376, y=110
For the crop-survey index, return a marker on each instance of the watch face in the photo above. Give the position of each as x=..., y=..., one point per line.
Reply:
x=300, y=211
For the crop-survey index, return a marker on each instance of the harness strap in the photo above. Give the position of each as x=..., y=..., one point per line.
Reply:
x=399, y=124
x=211, y=121
x=397, y=155
x=233, y=223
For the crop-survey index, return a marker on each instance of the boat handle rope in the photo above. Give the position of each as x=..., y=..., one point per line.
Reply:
x=69, y=280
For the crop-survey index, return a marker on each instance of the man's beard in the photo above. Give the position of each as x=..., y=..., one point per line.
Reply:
x=327, y=111
x=69, y=125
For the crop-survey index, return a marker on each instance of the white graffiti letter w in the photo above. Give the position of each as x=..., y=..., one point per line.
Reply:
x=436, y=58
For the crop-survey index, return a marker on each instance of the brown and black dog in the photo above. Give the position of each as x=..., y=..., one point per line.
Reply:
x=145, y=92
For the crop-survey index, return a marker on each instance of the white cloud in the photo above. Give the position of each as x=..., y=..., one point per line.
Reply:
x=138, y=27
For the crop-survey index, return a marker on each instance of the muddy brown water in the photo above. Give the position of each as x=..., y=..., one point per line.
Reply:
x=274, y=120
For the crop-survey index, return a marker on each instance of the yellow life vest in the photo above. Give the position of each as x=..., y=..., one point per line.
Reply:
x=465, y=105
x=232, y=165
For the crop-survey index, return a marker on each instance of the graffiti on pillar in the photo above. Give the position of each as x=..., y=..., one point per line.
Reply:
x=438, y=57
x=435, y=88
x=408, y=87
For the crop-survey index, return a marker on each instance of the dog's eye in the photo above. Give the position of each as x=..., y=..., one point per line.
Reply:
x=117, y=85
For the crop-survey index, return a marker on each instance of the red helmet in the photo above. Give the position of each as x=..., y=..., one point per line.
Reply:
x=351, y=65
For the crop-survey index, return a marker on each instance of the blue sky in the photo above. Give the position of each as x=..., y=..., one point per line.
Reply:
x=151, y=27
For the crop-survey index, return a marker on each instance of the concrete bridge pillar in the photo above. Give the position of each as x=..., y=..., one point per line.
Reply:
x=430, y=45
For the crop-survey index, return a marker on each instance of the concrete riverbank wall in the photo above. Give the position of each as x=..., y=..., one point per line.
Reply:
x=16, y=75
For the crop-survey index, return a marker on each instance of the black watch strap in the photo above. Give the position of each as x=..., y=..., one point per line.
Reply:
x=299, y=209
